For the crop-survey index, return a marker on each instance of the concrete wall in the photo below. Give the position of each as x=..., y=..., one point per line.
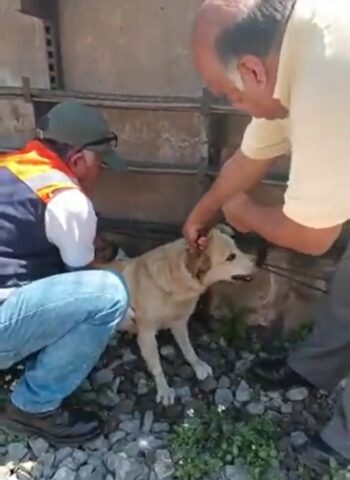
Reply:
x=22, y=48
x=133, y=46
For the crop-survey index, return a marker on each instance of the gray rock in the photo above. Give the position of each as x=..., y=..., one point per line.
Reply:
x=223, y=397
x=99, y=444
x=130, y=426
x=109, y=477
x=123, y=467
x=233, y=472
x=287, y=408
x=185, y=372
x=243, y=392
x=85, y=472
x=16, y=452
x=100, y=473
x=184, y=392
x=148, y=420
x=256, y=408
x=64, y=473
x=128, y=356
x=46, y=459
x=80, y=457
x=61, y=454
x=86, y=386
x=298, y=439
x=297, y=394
x=132, y=449
x=168, y=351
x=116, y=437
x=38, y=446
x=107, y=398
x=95, y=461
x=224, y=382
x=102, y=377
x=163, y=466
x=208, y=385
x=160, y=427
x=142, y=386
x=69, y=463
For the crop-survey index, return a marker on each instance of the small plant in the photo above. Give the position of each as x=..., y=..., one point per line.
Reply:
x=234, y=325
x=211, y=438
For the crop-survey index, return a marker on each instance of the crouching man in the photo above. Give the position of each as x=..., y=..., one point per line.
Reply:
x=56, y=311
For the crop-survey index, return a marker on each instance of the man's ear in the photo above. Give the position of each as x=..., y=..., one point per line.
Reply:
x=198, y=264
x=253, y=72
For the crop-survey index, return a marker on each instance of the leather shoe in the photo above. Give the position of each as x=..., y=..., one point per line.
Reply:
x=276, y=373
x=59, y=427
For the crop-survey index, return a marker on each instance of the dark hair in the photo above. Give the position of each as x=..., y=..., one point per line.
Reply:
x=256, y=32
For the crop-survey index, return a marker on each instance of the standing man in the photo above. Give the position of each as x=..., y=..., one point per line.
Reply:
x=287, y=64
x=56, y=311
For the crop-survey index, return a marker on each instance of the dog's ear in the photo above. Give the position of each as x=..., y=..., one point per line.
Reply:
x=198, y=264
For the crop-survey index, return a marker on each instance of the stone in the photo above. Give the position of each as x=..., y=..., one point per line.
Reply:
x=16, y=452
x=132, y=449
x=128, y=356
x=184, y=392
x=80, y=457
x=297, y=394
x=64, y=473
x=160, y=427
x=163, y=466
x=46, y=459
x=38, y=446
x=168, y=351
x=130, y=426
x=143, y=386
x=298, y=439
x=85, y=472
x=224, y=382
x=255, y=408
x=116, y=437
x=95, y=461
x=124, y=468
x=223, y=397
x=124, y=407
x=208, y=385
x=233, y=472
x=86, y=386
x=61, y=454
x=69, y=463
x=243, y=392
x=287, y=408
x=148, y=420
x=99, y=444
x=186, y=372
x=102, y=377
x=107, y=398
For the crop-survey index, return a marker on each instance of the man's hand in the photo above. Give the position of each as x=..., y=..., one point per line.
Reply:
x=195, y=235
x=235, y=212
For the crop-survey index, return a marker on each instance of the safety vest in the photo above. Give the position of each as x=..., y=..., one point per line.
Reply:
x=29, y=178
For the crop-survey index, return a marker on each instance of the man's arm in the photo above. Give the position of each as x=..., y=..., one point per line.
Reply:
x=240, y=173
x=272, y=224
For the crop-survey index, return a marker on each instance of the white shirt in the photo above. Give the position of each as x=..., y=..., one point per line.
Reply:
x=70, y=224
x=313, y=84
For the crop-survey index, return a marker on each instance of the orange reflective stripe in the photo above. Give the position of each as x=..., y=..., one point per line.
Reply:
x=40, y=169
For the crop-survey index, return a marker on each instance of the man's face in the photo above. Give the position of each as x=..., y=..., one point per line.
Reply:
x=248, y=86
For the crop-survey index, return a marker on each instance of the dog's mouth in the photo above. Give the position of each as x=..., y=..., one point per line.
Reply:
x=242, y=278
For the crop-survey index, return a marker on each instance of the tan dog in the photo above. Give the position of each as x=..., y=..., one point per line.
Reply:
x=165, y=285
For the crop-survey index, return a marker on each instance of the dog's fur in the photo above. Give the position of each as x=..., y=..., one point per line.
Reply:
x=165, y=285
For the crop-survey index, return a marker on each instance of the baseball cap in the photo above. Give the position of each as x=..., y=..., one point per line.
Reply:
x=84, y=128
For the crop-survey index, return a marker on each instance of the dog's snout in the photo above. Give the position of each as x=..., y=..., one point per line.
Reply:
x=242, y=278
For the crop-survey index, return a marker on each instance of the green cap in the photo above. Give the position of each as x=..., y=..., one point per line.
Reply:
x=79, y=125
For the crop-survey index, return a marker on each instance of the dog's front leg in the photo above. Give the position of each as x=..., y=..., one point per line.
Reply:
x=180, y=332
x=148, y=345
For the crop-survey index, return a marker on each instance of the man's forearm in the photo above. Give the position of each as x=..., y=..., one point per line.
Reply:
x=240, y=173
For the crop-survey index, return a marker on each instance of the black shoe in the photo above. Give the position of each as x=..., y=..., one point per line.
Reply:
x=59, y=427
x=275, y=373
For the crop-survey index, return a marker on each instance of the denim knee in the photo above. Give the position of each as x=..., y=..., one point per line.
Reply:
x=113, y=301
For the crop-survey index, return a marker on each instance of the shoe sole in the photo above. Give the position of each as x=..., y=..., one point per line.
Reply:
x=18, y=427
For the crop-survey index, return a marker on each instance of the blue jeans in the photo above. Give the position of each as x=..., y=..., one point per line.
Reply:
x=66, y=322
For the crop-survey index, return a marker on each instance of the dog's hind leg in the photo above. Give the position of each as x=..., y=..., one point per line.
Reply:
x=180, y=332
x=148, y=345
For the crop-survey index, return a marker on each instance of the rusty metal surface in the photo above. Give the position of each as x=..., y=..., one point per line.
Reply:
x=132, y=46
x=16, y=122
x=22, y=48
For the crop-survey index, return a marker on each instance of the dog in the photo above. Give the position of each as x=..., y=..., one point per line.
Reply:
x=165, y=285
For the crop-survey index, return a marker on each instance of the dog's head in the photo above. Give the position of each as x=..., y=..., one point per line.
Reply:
x=220, y=261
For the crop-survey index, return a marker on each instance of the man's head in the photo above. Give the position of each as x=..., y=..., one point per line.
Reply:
x=236, y=46
x=81, y=137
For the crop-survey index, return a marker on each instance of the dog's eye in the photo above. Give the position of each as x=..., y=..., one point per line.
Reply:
x=231, y=257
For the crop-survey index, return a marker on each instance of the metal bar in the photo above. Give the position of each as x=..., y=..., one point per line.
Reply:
x=36, y=8
x=134, y=102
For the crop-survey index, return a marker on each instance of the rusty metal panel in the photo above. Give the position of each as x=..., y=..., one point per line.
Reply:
x=133, y=46
x=172, y=138
x=16, y=123
x=22, y=49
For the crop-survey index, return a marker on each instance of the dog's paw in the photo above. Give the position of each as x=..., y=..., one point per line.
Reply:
x=202, y=370
x=166, y=396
